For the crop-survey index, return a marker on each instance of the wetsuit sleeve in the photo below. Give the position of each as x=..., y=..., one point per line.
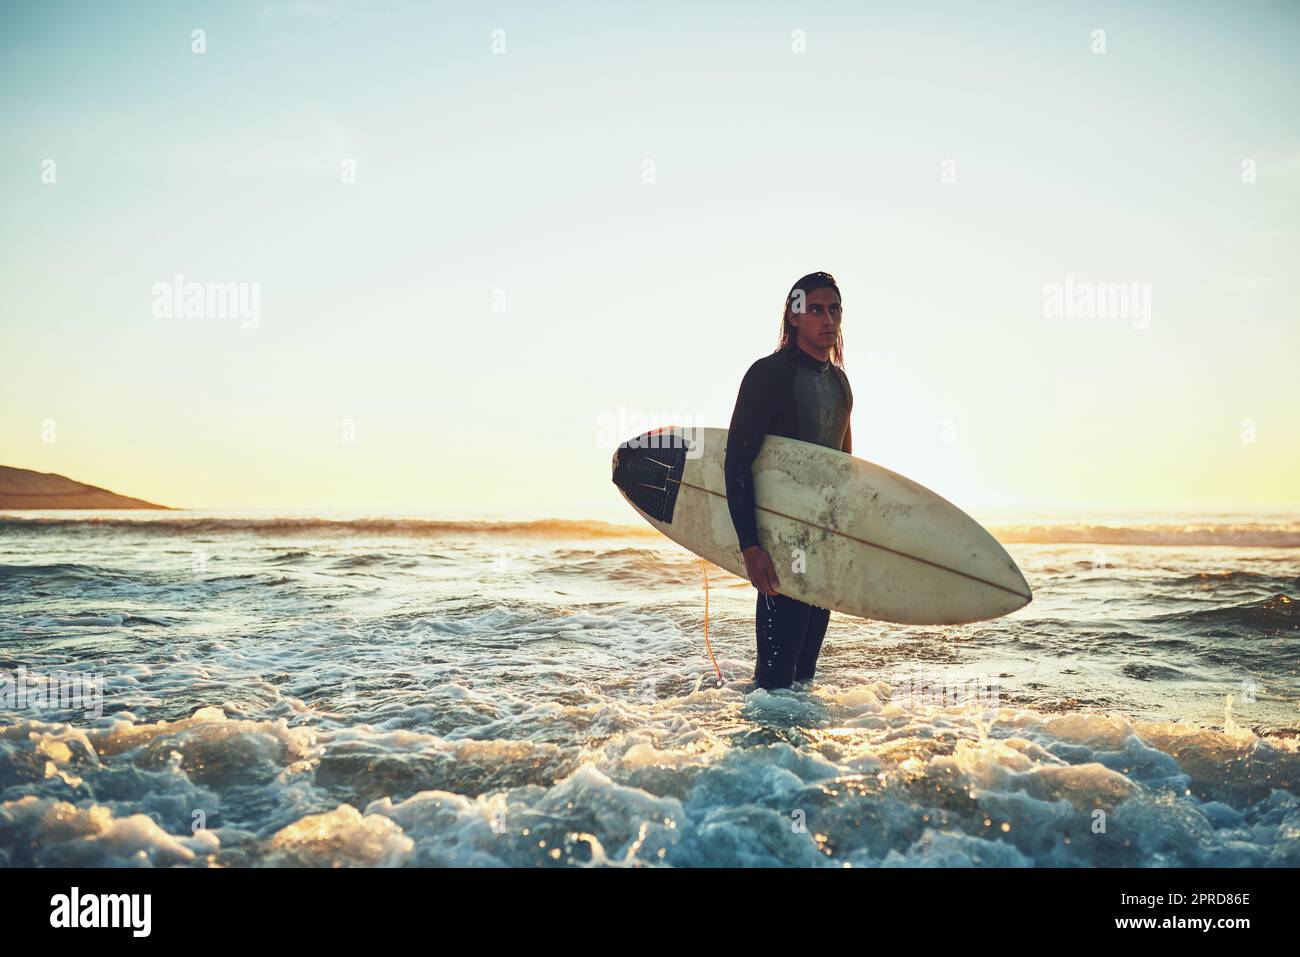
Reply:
x=755, y=408
x=848, y=438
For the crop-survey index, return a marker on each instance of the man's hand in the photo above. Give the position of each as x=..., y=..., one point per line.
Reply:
x=760, y=569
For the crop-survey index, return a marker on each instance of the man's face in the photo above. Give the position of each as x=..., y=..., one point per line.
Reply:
x=819, y=323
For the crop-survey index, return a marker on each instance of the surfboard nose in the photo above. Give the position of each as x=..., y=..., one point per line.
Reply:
x=648, y=471
x=1024, y=582
x=1015, y=588
x=1010, y=580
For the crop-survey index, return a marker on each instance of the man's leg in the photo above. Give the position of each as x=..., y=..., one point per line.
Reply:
x=780, y=624
x=818, y=619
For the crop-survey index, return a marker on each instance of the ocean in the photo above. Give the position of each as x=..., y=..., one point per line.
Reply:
x=226, y=689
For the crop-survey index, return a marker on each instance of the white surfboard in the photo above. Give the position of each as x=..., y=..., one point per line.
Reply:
x=843, y=533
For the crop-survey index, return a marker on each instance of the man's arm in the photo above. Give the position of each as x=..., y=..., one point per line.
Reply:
x=750, y=420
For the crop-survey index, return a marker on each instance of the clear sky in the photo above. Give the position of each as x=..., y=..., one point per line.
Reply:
x=591, y=231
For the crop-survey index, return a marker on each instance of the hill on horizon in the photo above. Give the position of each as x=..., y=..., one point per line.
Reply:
x=23, y=488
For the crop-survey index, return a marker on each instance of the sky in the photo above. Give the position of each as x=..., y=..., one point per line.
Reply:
x=482, y=244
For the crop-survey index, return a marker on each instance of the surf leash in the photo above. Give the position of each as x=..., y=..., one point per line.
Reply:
x=704, y=567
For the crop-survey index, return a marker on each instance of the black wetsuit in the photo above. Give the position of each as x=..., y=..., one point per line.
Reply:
x=787, y=393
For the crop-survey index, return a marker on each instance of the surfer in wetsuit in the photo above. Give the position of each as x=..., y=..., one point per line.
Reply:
x=800, y=391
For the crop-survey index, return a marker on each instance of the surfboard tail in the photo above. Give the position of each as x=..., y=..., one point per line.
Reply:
x=648, y=471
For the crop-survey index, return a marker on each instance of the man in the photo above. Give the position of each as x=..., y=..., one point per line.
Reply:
x=800, y=391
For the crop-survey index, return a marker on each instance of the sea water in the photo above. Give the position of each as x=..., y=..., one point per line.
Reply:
x=208, y=689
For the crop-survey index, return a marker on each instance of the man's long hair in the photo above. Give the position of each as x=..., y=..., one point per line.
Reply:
x=806, y=284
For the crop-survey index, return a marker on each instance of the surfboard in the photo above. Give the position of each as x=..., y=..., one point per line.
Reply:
x=843, y=533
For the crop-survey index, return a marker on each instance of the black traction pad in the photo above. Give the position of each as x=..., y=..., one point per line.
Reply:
x=649, y=470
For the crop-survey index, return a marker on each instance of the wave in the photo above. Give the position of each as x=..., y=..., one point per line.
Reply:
x=539, y=528
x=1258, y=535
x=669, y=785
x=1232, y=576
x=67, y=571
x=1280, y=612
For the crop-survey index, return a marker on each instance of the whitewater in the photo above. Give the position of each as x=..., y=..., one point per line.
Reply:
x=393, y=691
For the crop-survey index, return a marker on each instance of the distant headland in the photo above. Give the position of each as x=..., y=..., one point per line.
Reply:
x=23, y=488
